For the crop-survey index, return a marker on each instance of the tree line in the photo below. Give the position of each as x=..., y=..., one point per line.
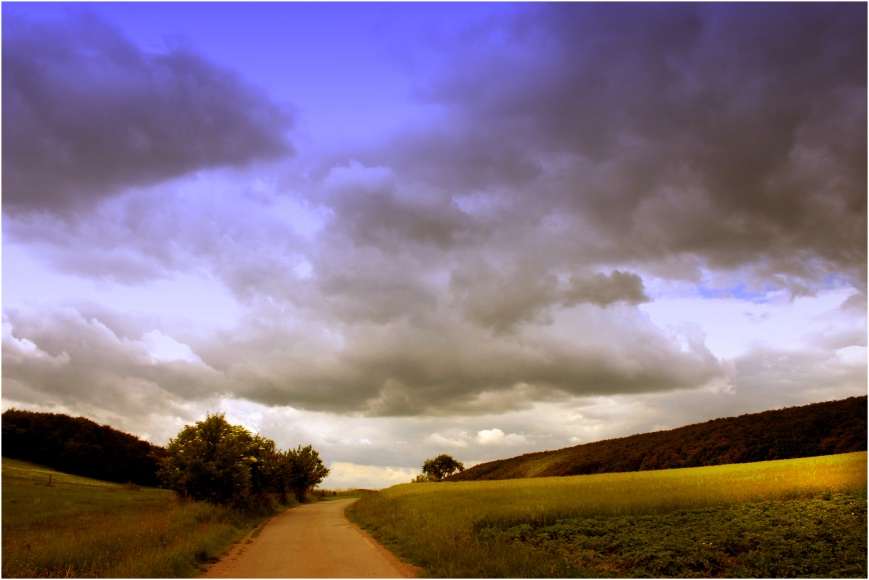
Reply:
x=211, y=460
x=806, y=431
x=79, y=446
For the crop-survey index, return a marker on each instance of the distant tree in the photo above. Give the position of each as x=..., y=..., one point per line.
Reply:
x=440, y=467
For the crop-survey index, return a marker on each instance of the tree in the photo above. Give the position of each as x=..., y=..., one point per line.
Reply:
x=211, y=461
x=440, y=467
x=225, y=464
x=306, y=468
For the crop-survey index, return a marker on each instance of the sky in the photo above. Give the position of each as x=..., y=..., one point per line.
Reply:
x=397, y=230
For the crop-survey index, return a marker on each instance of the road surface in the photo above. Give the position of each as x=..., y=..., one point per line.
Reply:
x=311, y=541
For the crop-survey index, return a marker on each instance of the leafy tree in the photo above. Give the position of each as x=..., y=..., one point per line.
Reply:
x=211, y=461
x=265, y=468
x=440, y=467
x=306, y=468
x=225, y=464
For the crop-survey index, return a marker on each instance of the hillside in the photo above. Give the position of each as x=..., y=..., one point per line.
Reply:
x=806, y=431
x=79, y=446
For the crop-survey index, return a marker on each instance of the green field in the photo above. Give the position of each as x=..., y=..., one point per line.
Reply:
x=87, y=528
x=791, y=518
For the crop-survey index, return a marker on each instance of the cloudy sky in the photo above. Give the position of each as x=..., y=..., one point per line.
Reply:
x=398, y=230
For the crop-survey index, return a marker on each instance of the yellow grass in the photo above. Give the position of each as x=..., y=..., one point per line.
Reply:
x=79, y=527
x=433, y=524
x=635, y=492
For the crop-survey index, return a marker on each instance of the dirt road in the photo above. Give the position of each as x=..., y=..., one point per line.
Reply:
x=311, y=541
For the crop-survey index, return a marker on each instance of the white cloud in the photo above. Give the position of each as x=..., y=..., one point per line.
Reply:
x=852, y=355
x=733, y=327
x=438, y=439
x=343, y=475
x=164, y=348
x=497, y=437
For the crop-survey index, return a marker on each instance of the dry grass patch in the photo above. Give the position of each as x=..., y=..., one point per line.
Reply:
x=86, y=528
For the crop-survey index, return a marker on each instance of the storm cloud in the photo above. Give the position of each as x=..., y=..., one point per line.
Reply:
x=591, y=220
x=88, y=114
x=735, y=134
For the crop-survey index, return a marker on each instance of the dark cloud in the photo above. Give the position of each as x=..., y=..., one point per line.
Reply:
x=734, y=133
x=87, y=114
x=374, y=289
x=282, y=357
x=372, y=209
x=603, y=290
x=440, y=365
x=501, y=297
x=479, y=267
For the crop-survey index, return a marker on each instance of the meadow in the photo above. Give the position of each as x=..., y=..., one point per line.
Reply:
x=789, y=518
x=87, y=528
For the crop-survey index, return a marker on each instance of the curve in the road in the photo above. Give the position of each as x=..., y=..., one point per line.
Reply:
x=311, y=541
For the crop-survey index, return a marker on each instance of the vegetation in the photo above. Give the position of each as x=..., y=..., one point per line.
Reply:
x=811, y=430
x=79, y=446
x=795, y=517
x=86, y=528
x=333, y=494
x=438, y=468
x=798, y=517
x=225, y=464
x=211, y=460
x=822, y=534
x=306, y=470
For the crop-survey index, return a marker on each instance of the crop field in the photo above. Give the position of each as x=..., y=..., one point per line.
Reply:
x=791, y=518
x=87, y=528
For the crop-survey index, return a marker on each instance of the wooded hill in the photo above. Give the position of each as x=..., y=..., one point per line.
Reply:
x=806, y=431
x=79, y=446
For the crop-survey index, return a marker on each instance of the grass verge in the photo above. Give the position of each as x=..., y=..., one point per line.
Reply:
x=802, y=517
x=83, y=527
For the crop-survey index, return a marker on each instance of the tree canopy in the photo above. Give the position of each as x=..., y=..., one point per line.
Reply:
x=79, y=446
x=226, y=464
x=440, y=467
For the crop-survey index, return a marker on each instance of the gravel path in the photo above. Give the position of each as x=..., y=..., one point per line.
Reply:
x=311, y=541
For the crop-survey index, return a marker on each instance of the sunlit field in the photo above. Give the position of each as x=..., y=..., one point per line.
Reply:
x=799, y=517
x=83, y=527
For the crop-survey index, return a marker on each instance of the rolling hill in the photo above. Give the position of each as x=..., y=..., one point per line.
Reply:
x=806, y=431
x=79, y=446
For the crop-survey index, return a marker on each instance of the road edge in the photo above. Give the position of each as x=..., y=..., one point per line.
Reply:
x=406, y=569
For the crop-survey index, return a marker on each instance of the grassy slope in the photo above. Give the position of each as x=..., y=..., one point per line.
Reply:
x=819, y=429
x=797, y=517
x=84, y=527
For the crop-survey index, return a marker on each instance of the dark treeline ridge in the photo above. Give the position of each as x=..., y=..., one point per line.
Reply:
x=805, y=431
x=79, y=446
